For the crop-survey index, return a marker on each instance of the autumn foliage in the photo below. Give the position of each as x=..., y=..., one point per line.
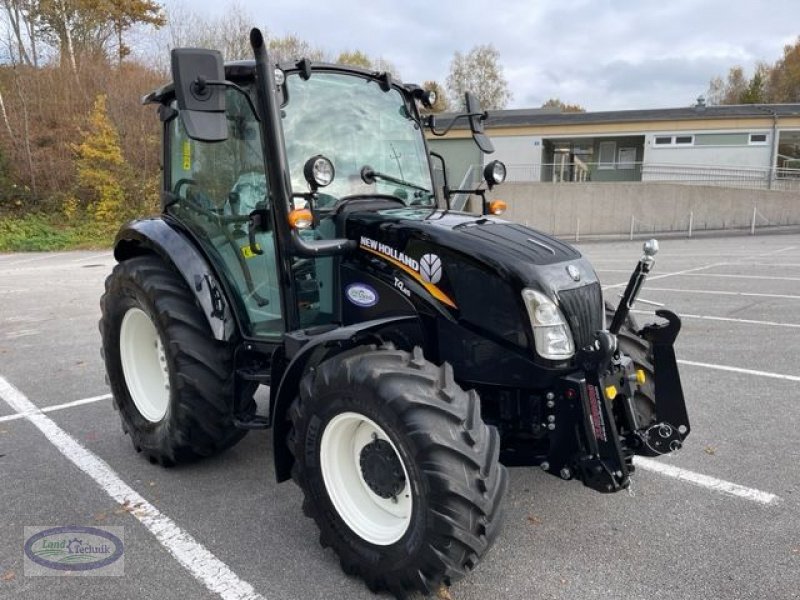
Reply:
x=81, y=141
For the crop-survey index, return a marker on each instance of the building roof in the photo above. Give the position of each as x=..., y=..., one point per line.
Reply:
x=538, y=116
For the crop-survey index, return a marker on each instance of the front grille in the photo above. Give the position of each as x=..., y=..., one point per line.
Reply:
x=583, y=309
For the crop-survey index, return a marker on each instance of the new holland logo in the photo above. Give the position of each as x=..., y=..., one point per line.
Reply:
x=430, y=267
x=427, y=270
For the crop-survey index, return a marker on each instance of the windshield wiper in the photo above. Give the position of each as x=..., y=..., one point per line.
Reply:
x=369, y=175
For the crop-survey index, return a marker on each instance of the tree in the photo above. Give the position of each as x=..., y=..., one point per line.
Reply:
x=101, y=168
x=479, y=72
x=756, y=91
x=784, y=77
x=778, y=83
x=227, y=33
x=356, y=58
x=79, y=27
x=730, y=90
x=20, y=17
x=291, y=48
x=441, y=104
x=76, y=28
x=124, y=14
x=569, y=108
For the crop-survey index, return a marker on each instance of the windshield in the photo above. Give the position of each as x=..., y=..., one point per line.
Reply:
x=354, y=123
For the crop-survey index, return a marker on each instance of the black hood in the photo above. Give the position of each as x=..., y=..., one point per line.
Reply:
x=509, y=249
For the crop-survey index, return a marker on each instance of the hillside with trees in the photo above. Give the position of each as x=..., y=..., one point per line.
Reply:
x=79, y=154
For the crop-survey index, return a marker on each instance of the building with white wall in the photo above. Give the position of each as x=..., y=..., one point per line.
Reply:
x=742, y=145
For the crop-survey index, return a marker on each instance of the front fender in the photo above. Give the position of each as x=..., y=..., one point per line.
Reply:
x=311, y=351
x=159, y=236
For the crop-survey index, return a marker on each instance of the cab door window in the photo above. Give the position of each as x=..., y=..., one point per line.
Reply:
x=216, y=185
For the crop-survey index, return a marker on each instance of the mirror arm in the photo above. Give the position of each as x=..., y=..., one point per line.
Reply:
x=230, y=84
x=431, y=128
x=446, y=188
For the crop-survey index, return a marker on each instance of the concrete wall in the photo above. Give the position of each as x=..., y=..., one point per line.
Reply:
x=606, y=208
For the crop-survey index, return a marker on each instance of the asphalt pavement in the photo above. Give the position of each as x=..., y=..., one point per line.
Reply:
x=721, y=523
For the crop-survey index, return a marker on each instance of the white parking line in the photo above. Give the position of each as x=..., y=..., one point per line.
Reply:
x=723, y=275
x=769, y=374
x=93, y=256
x=12, y=335
x=772, y=264
x=725, y=319
x=56, y=407
x=781, y=251
x=36, y=258
x=206, y=568
x=720, y=293
x=673, y=274
x=711, y=483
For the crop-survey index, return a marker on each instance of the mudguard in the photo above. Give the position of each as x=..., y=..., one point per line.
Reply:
x=307, y=350
x=159, y=236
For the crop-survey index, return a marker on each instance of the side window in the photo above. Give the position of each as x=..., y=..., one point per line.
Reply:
x=217, y=186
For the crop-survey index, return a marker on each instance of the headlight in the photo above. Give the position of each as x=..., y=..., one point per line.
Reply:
x=551, y=335
x=318, y=171
x=494, y=173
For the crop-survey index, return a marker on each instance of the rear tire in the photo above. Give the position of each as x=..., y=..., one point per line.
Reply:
x=398, y=470
x=172, y=382
x=641, y=352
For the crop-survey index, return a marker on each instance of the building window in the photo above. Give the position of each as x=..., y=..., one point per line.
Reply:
x=674, y=140
x=758, y=138
x=606, y=154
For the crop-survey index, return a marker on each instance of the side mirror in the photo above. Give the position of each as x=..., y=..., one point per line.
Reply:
x=475, y=113
x=201, y=103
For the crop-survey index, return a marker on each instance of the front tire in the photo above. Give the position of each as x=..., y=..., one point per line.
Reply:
x=398, y=470
x=172, y=382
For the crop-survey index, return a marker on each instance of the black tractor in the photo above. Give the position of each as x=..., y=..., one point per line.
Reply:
x=411, y=351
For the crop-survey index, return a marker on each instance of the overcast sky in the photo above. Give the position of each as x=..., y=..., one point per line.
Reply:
x=601, y=54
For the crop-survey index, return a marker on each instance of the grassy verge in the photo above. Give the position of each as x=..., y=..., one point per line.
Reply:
x=36, y=233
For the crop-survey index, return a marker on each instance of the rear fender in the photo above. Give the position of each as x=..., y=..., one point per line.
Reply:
x=304, y=351
x=158, y=236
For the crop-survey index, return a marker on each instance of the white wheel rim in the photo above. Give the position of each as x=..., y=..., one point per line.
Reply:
x=144, y=364
x=380, y=521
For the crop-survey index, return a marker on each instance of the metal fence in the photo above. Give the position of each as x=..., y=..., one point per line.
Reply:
x=593, y=172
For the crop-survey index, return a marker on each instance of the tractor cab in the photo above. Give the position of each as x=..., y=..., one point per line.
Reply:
x=342, y=139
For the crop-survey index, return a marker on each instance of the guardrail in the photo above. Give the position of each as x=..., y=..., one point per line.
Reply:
x=593, y=172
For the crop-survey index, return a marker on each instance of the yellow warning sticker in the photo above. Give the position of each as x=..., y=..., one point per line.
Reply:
x=247, y=251
x=187, y=155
